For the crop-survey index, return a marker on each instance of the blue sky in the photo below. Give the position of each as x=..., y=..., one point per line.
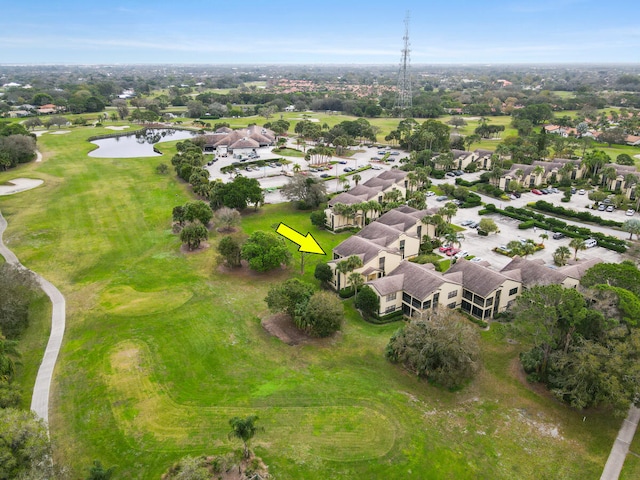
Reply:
x=319, y=32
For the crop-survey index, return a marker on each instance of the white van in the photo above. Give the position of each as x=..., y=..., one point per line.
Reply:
x=590, y=242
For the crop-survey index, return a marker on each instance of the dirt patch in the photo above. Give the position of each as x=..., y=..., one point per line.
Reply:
x=281, y=326
x=518, y=372
x=227, y=230
x=203, y=246
x=245, y=272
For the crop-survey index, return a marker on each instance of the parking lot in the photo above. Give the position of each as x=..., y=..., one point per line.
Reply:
x=481, y=246
x=274, y=177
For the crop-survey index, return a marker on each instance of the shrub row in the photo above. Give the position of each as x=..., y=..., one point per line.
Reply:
x=346, y=292
x=388, y=318
x=569, y=213
x=531, y=219
x=490, y=190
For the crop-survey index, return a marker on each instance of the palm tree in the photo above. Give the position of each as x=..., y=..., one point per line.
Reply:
x=453, y=239
x=544, y=237
x=561, y=255
x=346, y=184
x=357, y=178
x=296, y=168
x=577, y=244
x=632, y=226
x=608, y=174
x=537, y=172
x=528, y=248
x=244, y=429
x=448, y=211
x=356, y=280
x=412, y=180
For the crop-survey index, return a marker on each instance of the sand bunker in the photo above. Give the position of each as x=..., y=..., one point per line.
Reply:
x=60, y=132
x=19, y=185
x=124, y=127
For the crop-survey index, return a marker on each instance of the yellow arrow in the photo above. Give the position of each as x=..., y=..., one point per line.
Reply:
x=307, y=244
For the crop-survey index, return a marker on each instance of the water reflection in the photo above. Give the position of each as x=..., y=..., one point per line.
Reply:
x=139, y=144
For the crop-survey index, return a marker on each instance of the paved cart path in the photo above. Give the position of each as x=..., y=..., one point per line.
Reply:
x=40, y=399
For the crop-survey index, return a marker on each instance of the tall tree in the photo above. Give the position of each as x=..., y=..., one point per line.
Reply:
x=244, y=429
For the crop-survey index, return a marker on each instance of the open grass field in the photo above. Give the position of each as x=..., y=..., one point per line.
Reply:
x=162, y=348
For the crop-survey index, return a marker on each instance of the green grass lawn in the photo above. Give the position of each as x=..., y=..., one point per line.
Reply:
x=162, y=348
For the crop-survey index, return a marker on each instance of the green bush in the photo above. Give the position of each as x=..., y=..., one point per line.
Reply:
x=347, y=292
x=388, y=318
x=526, y=225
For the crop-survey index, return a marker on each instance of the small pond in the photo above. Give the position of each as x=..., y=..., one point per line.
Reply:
x=137, y=144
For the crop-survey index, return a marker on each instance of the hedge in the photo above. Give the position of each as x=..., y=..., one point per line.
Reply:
x=388, y=318
x=569, y=213
x=531, y=219
x=347, y=292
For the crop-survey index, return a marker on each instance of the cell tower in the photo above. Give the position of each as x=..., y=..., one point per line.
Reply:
x=403, y=99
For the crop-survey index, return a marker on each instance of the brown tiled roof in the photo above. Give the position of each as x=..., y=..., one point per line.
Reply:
x=224, y=130
x=531, y=272
x=395, y=218
x=245, y=143
x=579, y=268
x=347, y=199
x=378, y=231
x=362, y=247
x=477, y=278
x=419, y=281
x=393, y=174
x=389, y=284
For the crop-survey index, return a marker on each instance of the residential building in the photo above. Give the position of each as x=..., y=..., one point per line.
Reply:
x=373, y=190
x=540, y=172
x=382, y=245
x=416, y=289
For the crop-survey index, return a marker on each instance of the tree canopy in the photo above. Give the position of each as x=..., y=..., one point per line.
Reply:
x=265, y=251
x=308, y=191
x=444, y=349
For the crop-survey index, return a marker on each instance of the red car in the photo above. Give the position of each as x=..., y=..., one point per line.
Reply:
x=452, y=252
x=445, y=248
x=536, y=191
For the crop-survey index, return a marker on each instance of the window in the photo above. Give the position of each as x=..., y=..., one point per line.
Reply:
x=426, y=305
x=402, y=248
x=452, y=305
x=452, y=294
x=513, y=291
x=391, y=296
x=406, y=298
x=436, y=297
x=467, y=294
x=336, y=256
x=381, y=263
x=489, y=302
x=390, y=309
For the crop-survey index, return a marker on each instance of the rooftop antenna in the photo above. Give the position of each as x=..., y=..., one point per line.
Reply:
x=403, y=98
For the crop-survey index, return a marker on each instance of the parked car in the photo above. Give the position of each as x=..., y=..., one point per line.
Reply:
x=545, y=191
x=430, y=193
x=602, y=207
x=461, y=254
x=457, y=173
x=441, y=198
x=517, y=194
x=450, y=174
x=573, y=190
x=445, y=248
x=581, y=191
x=451, y=252
x=535, y=191
x=630, y=212
x=513, y=197
x=342, y=162
x=381, y=152
x=610, y=208
x=476, y=259
x=558, y=235
x=590, y=242
x=465, y=223
x=394, y=153
x=325, y=175
x=474, y=225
